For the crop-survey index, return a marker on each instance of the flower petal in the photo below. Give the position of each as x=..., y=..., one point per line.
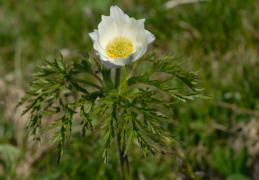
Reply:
x=119, y=24
x=116, y=12
x=134, y=30
x=119, y=17
x=118, y=62
x=149, y=38
x=110, y=65
x=107, y=30
x=94, y=36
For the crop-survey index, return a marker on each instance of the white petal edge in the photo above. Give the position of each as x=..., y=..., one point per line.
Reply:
x=118, y=62
x=95, y=38
x=119, y=17
x=148, y=40
x=117, y=13
x=135, y=31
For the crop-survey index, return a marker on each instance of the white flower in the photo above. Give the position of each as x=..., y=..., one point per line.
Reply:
x=119, y=39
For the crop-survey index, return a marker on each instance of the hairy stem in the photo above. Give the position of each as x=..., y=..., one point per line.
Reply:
x=117, y=77
x=124, y=163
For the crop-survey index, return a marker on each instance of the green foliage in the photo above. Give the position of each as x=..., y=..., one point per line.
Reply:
x=237, y=177
x=128, y=111
x=8, y=156
x=224, y=161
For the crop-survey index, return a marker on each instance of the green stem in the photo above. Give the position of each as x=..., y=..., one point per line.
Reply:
x=124, y=163
x=130, y=74
x=117, y=77
x=88, y=83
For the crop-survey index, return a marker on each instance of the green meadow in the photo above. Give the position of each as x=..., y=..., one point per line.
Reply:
x=217, y=138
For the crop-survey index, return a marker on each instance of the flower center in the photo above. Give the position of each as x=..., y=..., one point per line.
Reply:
x=120, y=47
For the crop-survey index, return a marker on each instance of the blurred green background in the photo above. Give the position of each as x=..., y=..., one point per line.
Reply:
x=219, y=138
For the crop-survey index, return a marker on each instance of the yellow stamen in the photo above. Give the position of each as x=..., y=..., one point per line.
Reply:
x=120, y=47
